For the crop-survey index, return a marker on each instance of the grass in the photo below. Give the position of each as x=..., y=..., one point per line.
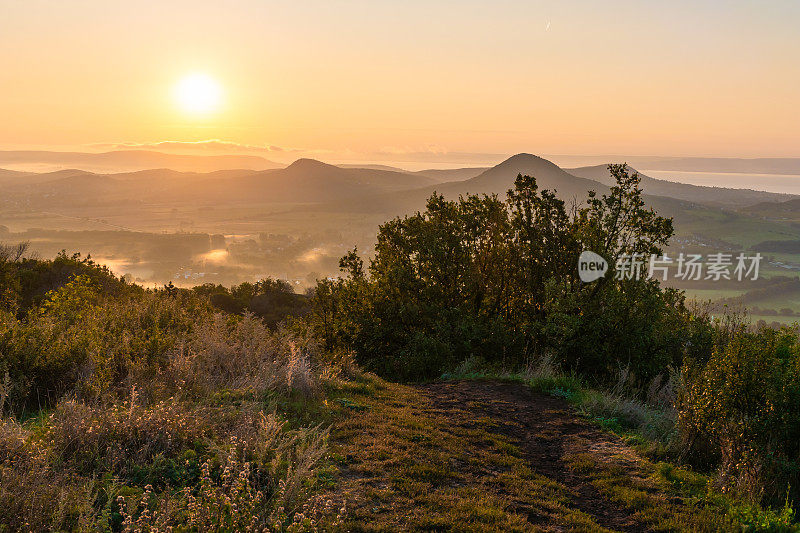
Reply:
x=650, y=430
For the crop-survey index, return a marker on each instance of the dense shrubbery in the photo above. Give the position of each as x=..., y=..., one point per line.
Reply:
x=78, y=338
x=25, y=282
x=740, y=407
x=480, y=276
x=142, y=410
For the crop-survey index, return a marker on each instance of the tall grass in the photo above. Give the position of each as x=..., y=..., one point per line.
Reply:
x=224, y=352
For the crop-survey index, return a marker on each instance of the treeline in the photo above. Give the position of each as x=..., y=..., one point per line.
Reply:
x=482, y=278
x=269, y=299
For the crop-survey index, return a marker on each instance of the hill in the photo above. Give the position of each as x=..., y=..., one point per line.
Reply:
x=694, y=193
x=790, y=209
x=724, y=165
x=762, y=165
x=496, y=180
x=694, y=220
x=305, y=180
x=10, y=176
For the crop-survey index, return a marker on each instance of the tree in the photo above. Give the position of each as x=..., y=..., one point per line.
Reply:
x=480, y=276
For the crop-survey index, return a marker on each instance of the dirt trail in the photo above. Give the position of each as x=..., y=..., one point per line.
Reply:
x=544, y=428
x=491, y=456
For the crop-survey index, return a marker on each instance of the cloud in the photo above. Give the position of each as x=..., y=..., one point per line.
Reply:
x=211, y=145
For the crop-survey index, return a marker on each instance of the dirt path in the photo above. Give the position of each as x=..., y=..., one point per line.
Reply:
x=544, y=428
x=492, y=456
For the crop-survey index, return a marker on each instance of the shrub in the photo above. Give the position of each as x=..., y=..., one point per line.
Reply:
x=127, y=439
x=80, y=340
x=146, y=410
x=745, y=402
x=273, y=301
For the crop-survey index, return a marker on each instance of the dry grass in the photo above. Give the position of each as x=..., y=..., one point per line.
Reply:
x=243, y=354
x=171, y=462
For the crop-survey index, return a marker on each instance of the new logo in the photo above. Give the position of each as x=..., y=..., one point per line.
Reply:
x=591, y=266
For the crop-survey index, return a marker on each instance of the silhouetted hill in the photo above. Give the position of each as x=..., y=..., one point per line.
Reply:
x=70, y=185
x=11, y=177
x=309, y=180
x=690, y=218
x=372, y=167
x=708, y=195
x=304, y=181
x=496, y=180
x=548, y=175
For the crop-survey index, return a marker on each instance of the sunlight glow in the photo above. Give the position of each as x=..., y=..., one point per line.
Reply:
x=198, y=94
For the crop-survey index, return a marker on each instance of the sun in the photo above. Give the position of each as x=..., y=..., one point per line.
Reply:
x=198, y=94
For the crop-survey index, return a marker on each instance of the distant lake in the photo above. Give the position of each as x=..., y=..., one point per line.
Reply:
x=784, y=183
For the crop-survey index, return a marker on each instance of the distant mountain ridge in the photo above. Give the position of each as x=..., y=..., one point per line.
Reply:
x=311, y=195
x=126, y=160
x=718, y=196
x=343, y=188
x=304, y=181
x=496, y=180
x=758, y=165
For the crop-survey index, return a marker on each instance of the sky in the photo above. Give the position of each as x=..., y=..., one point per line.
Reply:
x=447, y=79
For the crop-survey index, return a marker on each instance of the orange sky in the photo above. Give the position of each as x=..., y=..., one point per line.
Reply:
x=353, y=78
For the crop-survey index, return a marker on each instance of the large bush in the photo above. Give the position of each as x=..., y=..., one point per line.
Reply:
x=499, y=279
x=271, y=300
